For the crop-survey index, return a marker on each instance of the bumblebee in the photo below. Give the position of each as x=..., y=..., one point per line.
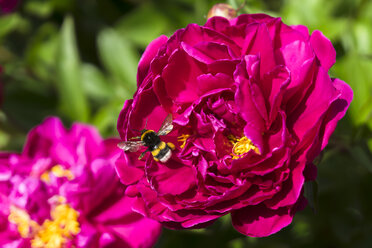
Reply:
x=160, y=150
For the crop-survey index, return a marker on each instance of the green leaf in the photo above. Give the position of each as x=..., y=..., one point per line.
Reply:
x=94, y=83
x=9, y=23
x=39, y=8
x=306, y=12
x=237, y=243
x=119, y=57
x=311, y=194
x=27, y=104
x=4, y=135
x=355, y=70
x=143, y=25
x=41, y=52
x=301, y=227
x=106, y=118
x=362, y=156
x=73, y=101
x=362, y=32
x=365, y=10
x=44, y=9
x=315, y=14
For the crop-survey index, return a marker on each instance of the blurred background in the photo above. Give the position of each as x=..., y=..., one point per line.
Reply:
x=77, y=59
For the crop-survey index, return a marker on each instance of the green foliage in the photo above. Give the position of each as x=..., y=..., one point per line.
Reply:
x=120, y=59
x=78, y=60
x=73, y=101
x=143, y=24
x=11, y=22
x=355, y=69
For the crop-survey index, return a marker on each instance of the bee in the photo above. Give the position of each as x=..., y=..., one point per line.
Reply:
x=160, y=150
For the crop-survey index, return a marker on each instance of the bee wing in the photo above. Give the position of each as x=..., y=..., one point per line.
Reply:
x=167, y=125
x=131, y=146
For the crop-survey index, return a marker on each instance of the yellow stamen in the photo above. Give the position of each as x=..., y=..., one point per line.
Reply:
x=23, y=221
x=183, y=138
x=241, y=146
x=232, y=139
x=45, y=177
x=54, y=232
x=57, y=171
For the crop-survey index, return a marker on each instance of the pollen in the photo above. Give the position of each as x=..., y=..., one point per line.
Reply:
x=57, y=171
x=241, y=146
x=45, y=177
x=54, y=232
x=183, y=138
x=23, y=221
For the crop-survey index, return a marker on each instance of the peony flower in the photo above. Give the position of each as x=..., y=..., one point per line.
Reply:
x=252, y=106
x=63, y=191
x=7, y=6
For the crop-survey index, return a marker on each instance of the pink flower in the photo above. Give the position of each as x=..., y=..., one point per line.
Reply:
x=252, y=106
x=7, y=6
x=63, y=191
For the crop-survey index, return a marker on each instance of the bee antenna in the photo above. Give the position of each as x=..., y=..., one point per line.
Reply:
x=136, y=130
x=140, y=131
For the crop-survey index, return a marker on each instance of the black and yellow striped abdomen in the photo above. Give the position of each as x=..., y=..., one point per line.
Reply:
x=160, y=151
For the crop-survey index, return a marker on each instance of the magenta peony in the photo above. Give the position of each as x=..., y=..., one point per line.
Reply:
x=63, y=191
x=252, y=106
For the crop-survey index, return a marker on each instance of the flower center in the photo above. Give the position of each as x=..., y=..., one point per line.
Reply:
x=183, y=138
x=54, y=232
x=241, y=146
x=57, y=171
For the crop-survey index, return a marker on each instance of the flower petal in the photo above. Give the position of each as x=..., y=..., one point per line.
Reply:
x=128, y=174
x=259, y=221
x=147, y=57
x=323, y=49
x=166, y=178
x=180, y=81
x=314, y=106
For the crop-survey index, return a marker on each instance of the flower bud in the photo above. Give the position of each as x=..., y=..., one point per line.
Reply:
x=222, y=9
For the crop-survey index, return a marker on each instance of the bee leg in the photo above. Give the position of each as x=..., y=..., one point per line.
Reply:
x=142, y=154
x=156, y=159
x=137, y=137
x=171, y=145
